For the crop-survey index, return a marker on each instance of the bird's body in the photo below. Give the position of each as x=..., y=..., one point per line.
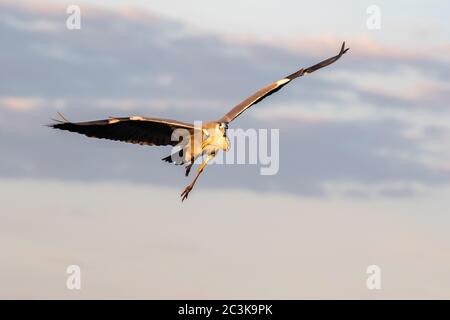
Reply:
x=215, y=138
x=205, y=140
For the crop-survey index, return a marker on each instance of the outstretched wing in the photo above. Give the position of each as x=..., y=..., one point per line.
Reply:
x=139, y=130
x=275, y=86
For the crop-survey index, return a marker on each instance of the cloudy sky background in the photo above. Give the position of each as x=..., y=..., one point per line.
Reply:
x=364, y=151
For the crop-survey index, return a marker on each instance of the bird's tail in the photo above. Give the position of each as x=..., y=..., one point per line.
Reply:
x=168, y=159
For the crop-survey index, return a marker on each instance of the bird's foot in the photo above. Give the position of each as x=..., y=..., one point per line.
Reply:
x=185, y=193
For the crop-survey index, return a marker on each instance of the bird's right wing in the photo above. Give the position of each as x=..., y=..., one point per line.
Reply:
x=139, y=130
x=275, y=86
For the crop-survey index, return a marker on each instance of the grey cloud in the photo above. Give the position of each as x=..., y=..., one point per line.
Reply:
x=311, y=155
x=98, y=62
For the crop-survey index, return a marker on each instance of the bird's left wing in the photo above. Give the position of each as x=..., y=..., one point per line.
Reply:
x=138, y=130
x=275, y=86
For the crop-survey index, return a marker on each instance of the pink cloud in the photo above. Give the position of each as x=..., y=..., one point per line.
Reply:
x=21, y=103
x=47, y=8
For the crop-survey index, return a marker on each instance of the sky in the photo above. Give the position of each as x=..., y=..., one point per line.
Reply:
x=364, y=174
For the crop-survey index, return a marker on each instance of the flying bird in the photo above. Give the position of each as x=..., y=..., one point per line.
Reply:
x=159, y=132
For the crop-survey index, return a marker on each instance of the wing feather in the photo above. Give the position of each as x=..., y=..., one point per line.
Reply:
x=137, y=130
x=275, y=86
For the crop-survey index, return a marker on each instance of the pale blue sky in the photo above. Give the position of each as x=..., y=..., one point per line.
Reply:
x=364, y=160
x=403, y=22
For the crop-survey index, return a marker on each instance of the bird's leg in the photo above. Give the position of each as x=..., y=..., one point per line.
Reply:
x=188, y=189
x=188, y=168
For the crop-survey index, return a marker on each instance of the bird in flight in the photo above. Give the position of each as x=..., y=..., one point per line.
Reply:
x=211, y=136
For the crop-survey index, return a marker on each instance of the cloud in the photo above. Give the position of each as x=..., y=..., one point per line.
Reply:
x=36, y=25
x=21, y=104
x=350, y=123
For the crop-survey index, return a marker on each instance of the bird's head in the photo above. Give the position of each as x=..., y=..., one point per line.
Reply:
x=223, y=126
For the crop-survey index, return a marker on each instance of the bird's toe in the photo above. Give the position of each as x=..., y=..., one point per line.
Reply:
x=185, y=193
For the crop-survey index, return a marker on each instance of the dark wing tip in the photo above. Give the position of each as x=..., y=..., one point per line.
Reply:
x=58, y=122
x=56, y=125
x=343, y=49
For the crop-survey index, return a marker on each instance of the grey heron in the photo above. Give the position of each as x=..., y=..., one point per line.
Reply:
x=158, y=132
